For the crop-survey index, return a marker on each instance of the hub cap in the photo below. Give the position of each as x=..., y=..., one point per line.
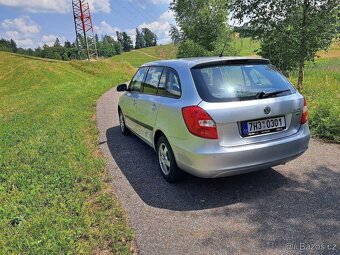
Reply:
x=164, y=160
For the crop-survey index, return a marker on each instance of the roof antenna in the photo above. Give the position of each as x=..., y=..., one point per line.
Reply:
x=225, y=44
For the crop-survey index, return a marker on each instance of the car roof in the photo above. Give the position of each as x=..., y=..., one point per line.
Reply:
x=205, y=61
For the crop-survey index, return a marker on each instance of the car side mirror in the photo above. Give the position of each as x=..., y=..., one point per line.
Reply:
x=122, y=87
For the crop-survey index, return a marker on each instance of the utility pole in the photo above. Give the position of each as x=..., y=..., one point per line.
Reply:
x=83, y=25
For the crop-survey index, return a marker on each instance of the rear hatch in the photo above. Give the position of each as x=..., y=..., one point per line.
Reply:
x=250, y=101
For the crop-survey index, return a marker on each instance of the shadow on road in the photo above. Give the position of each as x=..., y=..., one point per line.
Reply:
x=138, y=162
x=275, y=213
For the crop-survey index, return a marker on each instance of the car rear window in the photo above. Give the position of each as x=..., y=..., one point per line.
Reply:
x=223, y=83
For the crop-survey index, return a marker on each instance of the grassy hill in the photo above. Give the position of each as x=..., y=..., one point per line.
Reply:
x=245, y=47
x=138, y=57
x=55, y=197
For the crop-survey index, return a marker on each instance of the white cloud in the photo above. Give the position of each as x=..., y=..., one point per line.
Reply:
x=151, y=1
x=25, y=43
x=99, y=6
x=23, y=24
x=161, y=27
x=105, y=29
x=55, y=6
x=60, y=6
x=50, y=39
x=23, y=30
x=144, y=3
x=168, y=16
x=12, y=35
x=156, y=2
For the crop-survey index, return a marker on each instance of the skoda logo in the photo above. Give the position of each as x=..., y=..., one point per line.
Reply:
x=267, y=110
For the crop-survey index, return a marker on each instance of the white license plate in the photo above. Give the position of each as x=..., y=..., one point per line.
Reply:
x=263, y=126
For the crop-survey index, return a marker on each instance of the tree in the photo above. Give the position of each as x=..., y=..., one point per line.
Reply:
x=176, y=35
x=8, y=45
x=13, y=46
x=125, y=40
x=118, y=47
x=149, y=37
x=109, y=47
x=67, y=45
x=96, y=38
x=139, y=40
x=155, y=40
x=57, y=42
x=119, y=37
x=291, y=32
x=38, y=52
x=189, y=48
x=65, y=56
x=203, y=22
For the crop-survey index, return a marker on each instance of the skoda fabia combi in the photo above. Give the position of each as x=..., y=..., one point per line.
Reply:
x=215, y=117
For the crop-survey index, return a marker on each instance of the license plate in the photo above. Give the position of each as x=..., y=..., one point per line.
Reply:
x=262, y=126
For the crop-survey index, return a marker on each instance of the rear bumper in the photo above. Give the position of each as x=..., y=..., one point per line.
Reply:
x=216, y=161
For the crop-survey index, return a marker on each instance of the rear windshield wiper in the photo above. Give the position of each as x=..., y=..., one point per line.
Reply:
x=264, y=94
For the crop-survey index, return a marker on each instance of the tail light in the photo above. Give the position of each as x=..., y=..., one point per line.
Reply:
x=304, y=117
x=199, y=122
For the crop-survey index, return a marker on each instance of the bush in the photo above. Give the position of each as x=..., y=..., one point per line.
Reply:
x=325, y=121
x=191, y=49
x=322, y=91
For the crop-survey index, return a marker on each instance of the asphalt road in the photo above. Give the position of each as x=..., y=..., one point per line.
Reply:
x=291, y=209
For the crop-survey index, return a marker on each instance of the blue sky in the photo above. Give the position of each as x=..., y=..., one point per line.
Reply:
x=36, y=22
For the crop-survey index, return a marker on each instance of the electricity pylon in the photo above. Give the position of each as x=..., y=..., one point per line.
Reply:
x=85, y=38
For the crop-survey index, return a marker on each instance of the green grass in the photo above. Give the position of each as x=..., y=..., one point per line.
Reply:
x=138, y=57
x=322, y=90
x=246, y=46
x=167, y=51
x=55, y=196
x=334, y=51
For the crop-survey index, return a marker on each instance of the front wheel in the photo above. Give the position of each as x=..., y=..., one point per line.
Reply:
x=123, y=128
x=167, y=162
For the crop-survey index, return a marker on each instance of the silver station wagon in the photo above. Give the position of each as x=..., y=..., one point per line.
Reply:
x=215, y=117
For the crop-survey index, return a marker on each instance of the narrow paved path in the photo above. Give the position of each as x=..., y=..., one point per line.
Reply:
x=264, y=212
x=146, y=54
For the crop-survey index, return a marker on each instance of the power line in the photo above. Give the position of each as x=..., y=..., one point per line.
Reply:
x=141, y=13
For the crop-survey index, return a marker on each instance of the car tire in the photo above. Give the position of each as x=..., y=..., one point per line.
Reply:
x=123, y=127
x=167, y=163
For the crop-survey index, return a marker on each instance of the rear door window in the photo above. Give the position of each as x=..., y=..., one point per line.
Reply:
x=169, y=84
x=138, y=79
x=152, y=80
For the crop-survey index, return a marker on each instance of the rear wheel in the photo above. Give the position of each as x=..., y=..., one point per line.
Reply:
x=123, y=128
x=167, y=162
